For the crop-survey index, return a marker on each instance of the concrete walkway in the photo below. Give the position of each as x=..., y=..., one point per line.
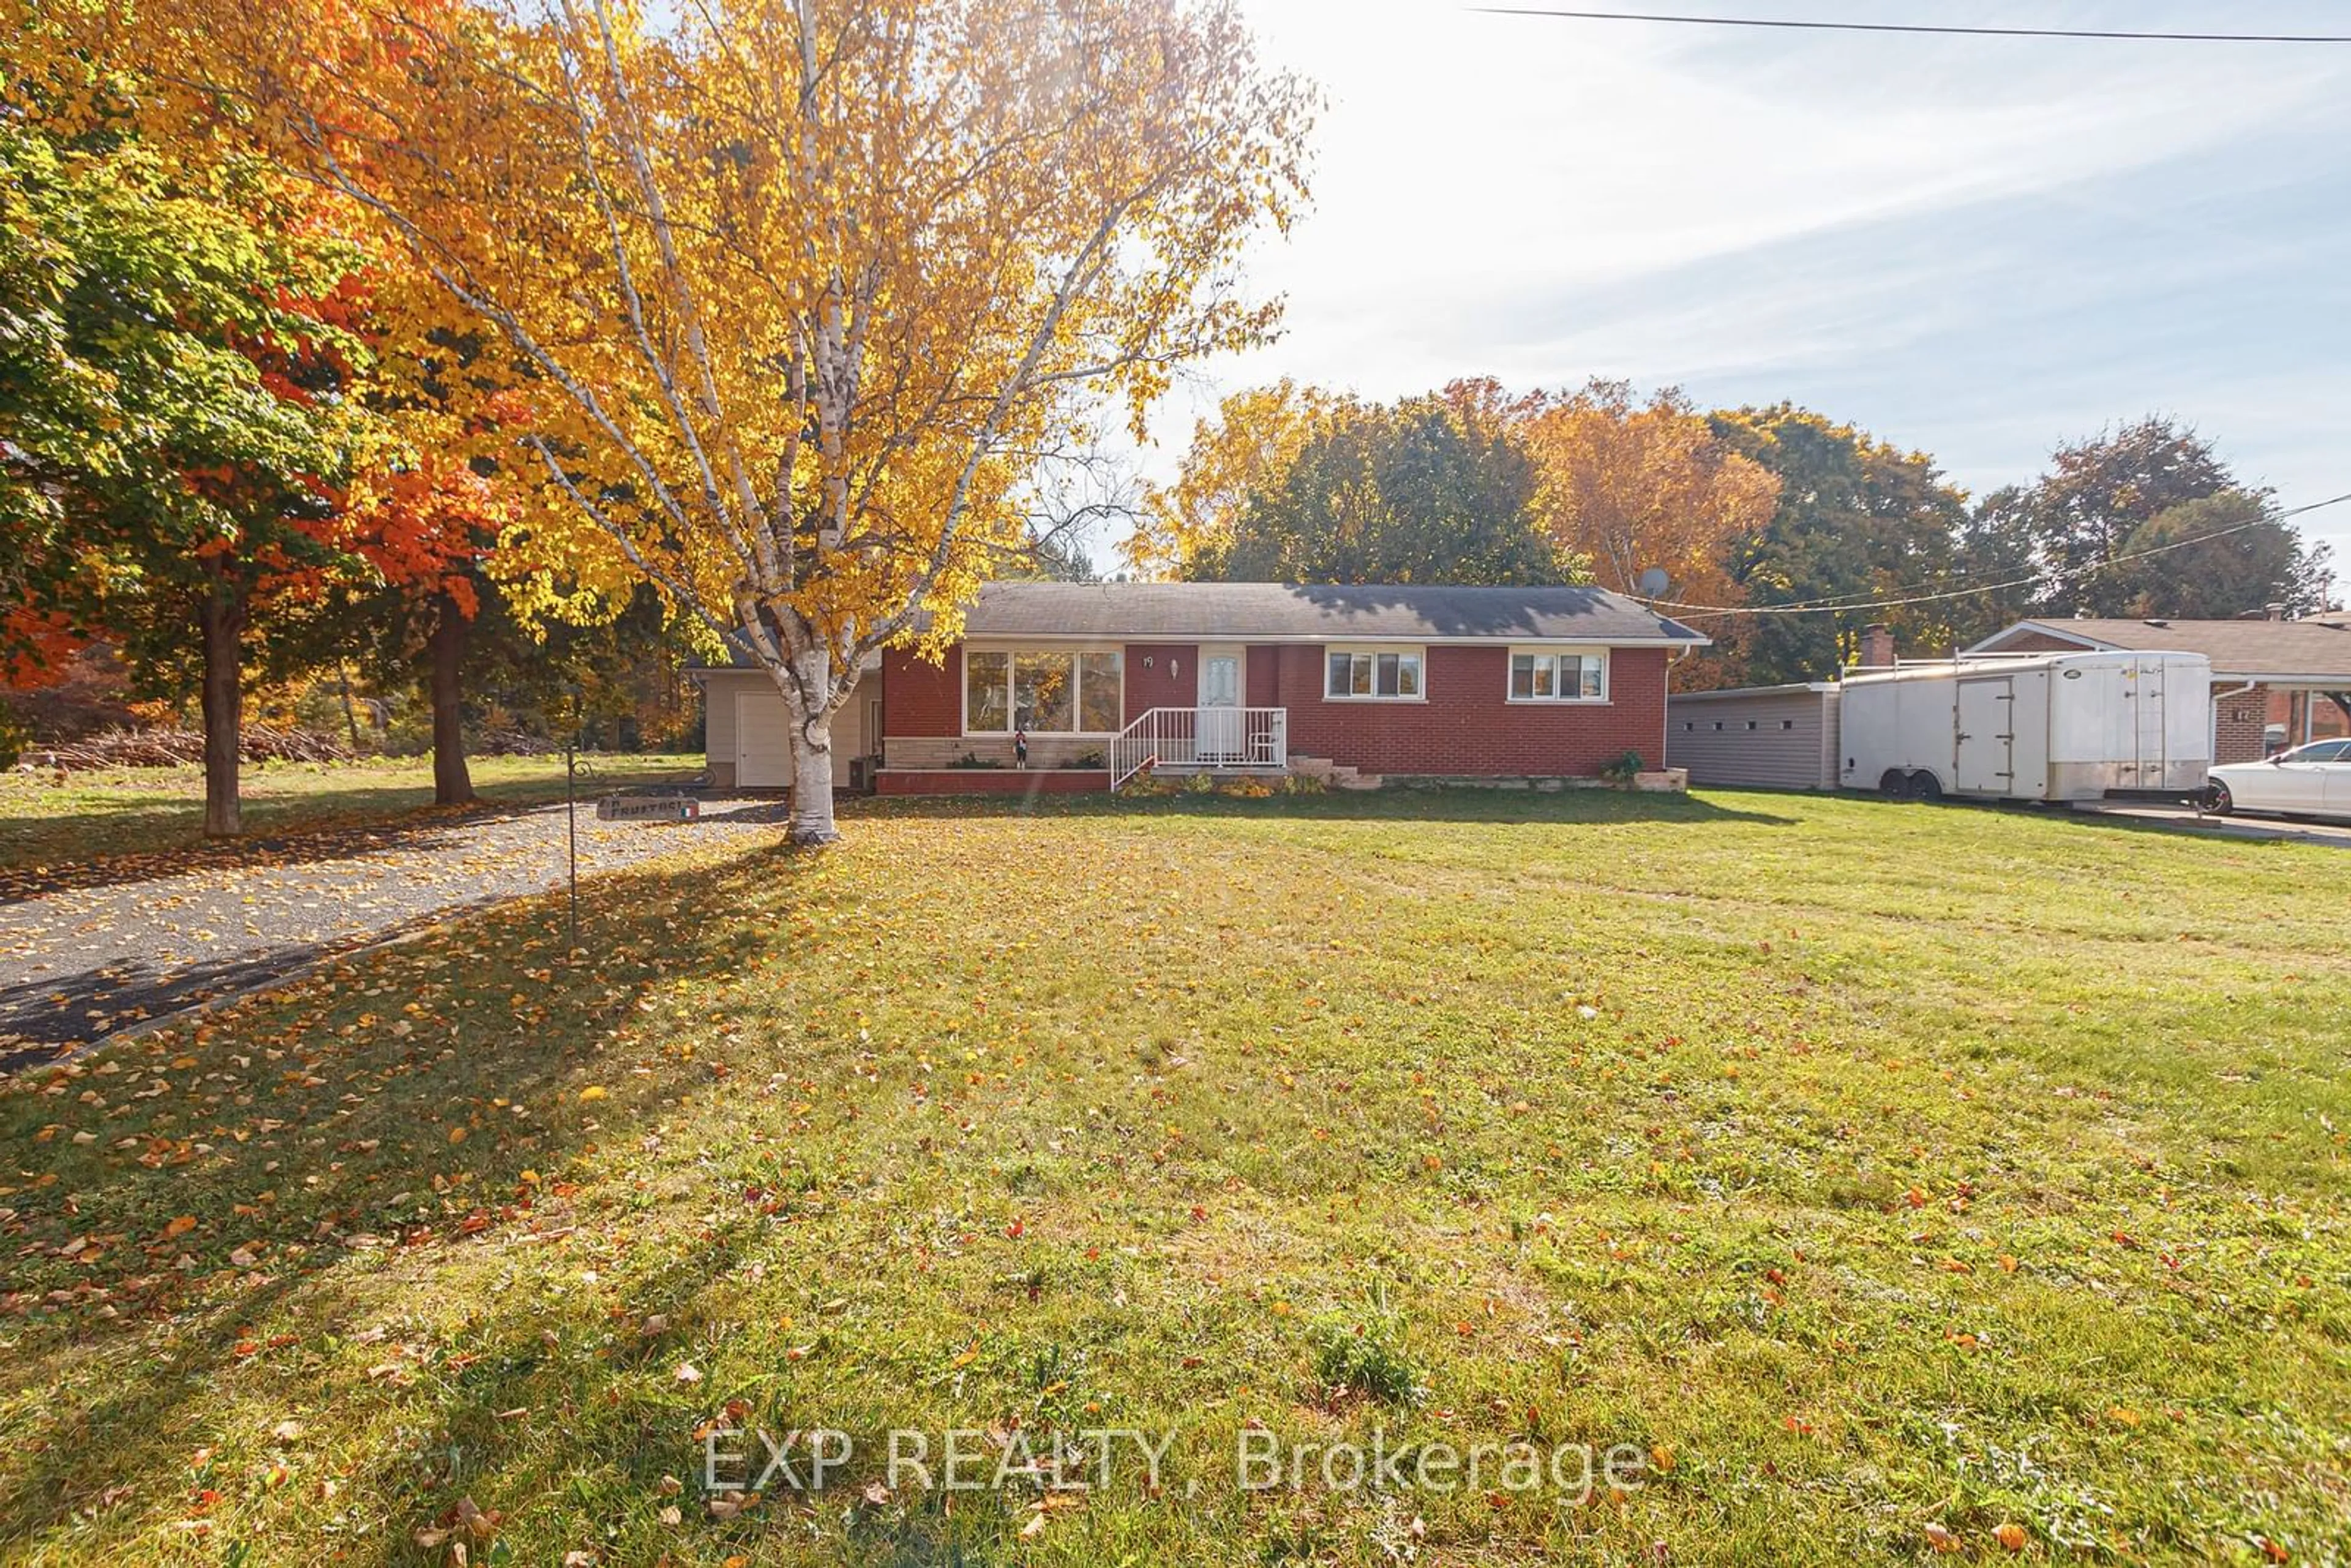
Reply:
x=2338, y=834
x=79, y=963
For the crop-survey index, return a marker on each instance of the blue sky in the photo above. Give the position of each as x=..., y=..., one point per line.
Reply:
x=1976, y=248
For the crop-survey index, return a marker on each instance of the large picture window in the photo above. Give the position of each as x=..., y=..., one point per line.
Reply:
x=1546, y=676
x=986, y=693
x=1374, y=674
x=1043, y=691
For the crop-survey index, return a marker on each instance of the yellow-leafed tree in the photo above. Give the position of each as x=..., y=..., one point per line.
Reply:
x=800, y=293
x=1245, y=451
x=1637, y=485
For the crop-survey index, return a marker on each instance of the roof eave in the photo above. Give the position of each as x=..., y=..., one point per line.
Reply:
x=975, y=634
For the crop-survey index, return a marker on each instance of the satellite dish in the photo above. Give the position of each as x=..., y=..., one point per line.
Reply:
x=1652, y=582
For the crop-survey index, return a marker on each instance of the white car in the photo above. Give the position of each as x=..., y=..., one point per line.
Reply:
x=2312, y=781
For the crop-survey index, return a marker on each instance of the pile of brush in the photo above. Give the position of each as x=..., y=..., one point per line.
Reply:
x=179, y=748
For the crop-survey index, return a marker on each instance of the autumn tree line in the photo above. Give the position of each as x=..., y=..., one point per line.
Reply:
x=392, y=315
x=232, y=442
x=1780, y=533
x=425, y=325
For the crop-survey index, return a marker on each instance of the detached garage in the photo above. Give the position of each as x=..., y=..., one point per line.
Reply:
x=748, y=735
x=1773, y=738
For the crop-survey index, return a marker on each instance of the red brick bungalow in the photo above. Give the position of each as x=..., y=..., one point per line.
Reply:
x=1102, y=681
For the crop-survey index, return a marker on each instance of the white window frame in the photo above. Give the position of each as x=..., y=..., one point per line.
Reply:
x=1012, y=652
x=1555, y=651
x=1415, y=652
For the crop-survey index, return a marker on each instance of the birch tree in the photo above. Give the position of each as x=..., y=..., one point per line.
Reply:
x=800, y=292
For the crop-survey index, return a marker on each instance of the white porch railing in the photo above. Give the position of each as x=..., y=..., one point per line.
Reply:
x=1191, y=739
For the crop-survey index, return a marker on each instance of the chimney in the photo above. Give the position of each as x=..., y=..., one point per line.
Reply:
x=1877, y=646
x=2275, y=610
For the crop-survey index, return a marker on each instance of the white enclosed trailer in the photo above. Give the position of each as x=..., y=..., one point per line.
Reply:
x=2047, y=726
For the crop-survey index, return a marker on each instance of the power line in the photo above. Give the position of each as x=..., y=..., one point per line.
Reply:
x=1917, y=27
x=1832, y=604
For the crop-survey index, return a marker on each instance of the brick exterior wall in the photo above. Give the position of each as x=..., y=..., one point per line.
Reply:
x=919, y=697
x=2317, y=712
x=983, y=781
x=1264, y=675
x=1173, y=680
x=1468, y=727
x=1044, y=750
x=2237, y=722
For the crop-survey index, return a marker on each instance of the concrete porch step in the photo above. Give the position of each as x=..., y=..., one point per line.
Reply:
x=1336, y=775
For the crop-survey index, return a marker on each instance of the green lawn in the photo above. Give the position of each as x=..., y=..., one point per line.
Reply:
x=1892, y=1180
x=161, y=810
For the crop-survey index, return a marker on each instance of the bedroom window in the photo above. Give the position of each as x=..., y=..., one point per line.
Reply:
x=1546, y=676
x=1042, y=692
x=1372, y=675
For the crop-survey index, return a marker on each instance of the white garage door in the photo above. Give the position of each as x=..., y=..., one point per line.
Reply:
x=763, y=750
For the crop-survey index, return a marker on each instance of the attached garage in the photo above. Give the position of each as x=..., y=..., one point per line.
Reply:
x=762, y=751
x=1772, y=737
x=747, y=732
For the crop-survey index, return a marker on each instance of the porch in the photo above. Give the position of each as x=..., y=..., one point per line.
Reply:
x=1213, y=739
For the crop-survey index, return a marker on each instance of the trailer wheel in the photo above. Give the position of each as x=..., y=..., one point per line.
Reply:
x=1924, y=787
x=2217, y=801
x=1895, y=785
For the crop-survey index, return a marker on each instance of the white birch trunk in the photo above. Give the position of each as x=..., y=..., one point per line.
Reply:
x=808, y=677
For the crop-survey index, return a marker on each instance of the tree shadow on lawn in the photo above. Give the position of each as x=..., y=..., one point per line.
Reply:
x=325, y=825
x=51, y=1014
x=247, y=1165
x=1596, y=808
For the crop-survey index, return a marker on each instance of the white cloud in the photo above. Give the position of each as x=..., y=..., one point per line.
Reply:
x=1875, y=224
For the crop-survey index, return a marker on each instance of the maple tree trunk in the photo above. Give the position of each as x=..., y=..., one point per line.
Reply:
x=452, y=784
x=351, y=719
x=221, y=615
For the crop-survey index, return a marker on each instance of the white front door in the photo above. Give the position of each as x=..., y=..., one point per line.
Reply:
x=1221, y=736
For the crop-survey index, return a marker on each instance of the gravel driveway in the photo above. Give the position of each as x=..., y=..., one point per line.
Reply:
x=79, y=963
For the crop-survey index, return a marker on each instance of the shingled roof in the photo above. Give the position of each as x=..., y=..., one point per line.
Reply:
x=2300, y=651
x=1276, y=612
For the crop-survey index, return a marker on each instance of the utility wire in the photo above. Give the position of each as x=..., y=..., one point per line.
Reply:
x=1917, y=27
x=1832, y=606
x=1859, y=598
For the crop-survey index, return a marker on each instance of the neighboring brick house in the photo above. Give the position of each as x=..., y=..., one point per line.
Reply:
x=2275, y=683
x=1101, y=680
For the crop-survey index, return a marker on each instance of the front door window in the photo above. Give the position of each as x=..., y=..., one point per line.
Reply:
x=1220, y=681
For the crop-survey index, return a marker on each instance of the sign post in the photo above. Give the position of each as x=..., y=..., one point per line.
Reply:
x=571, y=824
